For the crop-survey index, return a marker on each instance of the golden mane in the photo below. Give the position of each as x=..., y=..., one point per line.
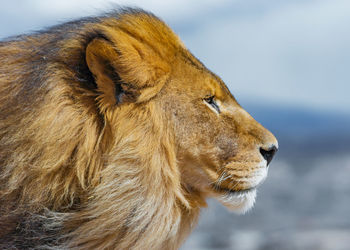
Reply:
x=54, y=146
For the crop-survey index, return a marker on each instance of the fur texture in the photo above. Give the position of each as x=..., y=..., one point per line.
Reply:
x=112, y=135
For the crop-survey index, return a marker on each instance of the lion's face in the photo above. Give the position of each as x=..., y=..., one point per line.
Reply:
x=222, y=151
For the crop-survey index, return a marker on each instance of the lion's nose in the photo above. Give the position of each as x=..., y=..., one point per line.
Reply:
x=269, y=153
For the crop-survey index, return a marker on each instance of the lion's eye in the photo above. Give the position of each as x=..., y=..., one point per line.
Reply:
x=211, y=101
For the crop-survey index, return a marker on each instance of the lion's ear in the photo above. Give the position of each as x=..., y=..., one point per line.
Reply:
x=123, y=72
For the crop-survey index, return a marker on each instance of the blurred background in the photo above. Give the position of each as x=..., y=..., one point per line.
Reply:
x=288, y=64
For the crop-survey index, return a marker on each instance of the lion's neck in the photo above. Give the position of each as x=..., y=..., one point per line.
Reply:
x=138, y=204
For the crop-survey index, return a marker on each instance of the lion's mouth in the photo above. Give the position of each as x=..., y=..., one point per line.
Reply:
x=223, y=190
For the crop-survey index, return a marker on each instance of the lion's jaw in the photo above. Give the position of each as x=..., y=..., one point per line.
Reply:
x=236, y=194
x=241, y=201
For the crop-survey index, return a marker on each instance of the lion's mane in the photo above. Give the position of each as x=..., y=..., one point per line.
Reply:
x=64, y=183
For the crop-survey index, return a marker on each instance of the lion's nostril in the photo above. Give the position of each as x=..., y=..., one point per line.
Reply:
x=268, y=154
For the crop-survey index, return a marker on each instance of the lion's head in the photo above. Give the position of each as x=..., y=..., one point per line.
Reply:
x=221, y=150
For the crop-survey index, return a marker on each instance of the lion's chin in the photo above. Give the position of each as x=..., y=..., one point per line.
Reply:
x=238, y=202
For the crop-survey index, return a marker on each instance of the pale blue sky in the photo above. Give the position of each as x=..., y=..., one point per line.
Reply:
x=294, y=53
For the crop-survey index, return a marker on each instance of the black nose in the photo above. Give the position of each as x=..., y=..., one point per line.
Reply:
x=268, y=154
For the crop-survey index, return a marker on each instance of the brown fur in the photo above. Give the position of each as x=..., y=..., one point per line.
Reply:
x=106, y=138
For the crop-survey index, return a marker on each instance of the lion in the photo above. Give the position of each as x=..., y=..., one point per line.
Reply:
x=113, y=135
